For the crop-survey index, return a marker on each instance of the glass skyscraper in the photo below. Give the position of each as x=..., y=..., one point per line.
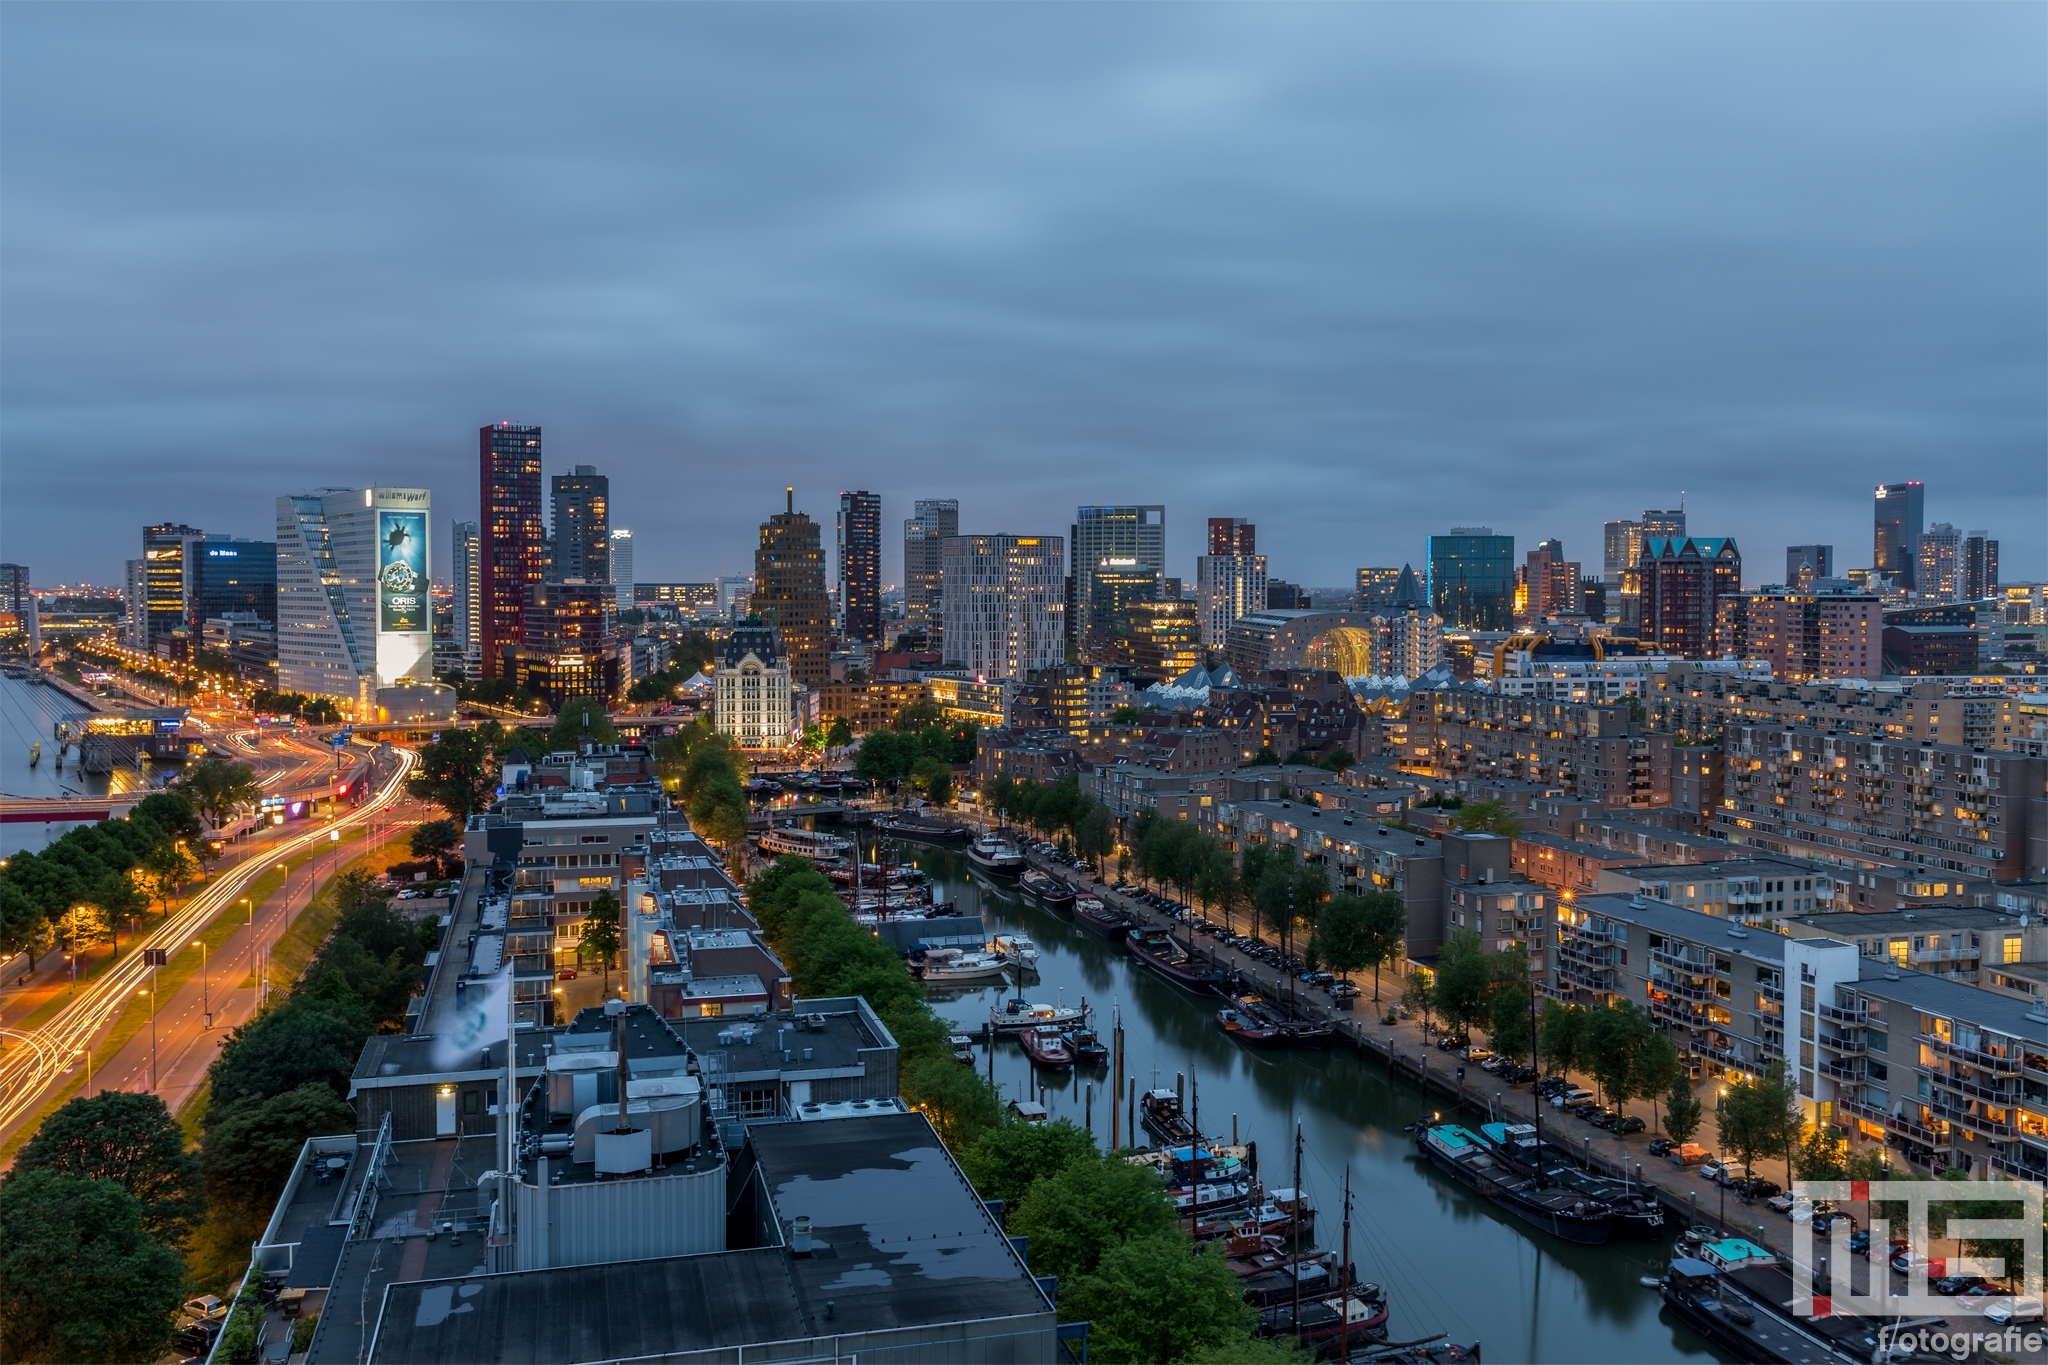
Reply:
x=1472, y=579
x=511, y=553
x=1900, y=519
x=860, y=566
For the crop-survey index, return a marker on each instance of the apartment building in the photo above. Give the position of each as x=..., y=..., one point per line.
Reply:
x=1701, y=706
x=1962, y=942
x=1592, y=750
x=1760, y=892
x=1358, y=854
x=1845, y=799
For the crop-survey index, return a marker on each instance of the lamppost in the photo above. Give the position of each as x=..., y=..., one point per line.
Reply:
x=250, y=948
x=205, y=984
x=150, y=991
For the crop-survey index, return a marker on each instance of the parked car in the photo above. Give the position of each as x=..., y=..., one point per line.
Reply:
x=1952, y=1285
x=1782, y=1204
x=1630, y=1124
x=1566, y=1099
x=1712, y=1170
x=1452, y=1042
x=566, y=974
x=1905, y=1261
x=205, y=1308
x=1661, y=1146
x=195, y=1340
x=2005, y=1312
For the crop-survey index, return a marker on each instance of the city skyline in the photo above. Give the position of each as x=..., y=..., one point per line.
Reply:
x=1132, y=281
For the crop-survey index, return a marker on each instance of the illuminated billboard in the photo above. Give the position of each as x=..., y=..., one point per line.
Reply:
x=403, y=606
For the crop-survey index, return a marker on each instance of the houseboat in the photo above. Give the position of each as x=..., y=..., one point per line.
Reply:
x=911, y=827
x=1046, y=1046
x=1017, y=1015
x=1091, y=914
x=1048, y=889
x=996, y=856
x=1469, y=1159
x=953, y=967
x=804, y=843
x=1087, y=1047
x=1016, y=949
x=1155, y=950
x=1160, y=1112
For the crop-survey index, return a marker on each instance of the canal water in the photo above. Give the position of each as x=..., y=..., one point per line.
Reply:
x=1450, y=1261
x=27, y=713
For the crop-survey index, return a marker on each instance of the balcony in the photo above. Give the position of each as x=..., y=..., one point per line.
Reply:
x=1686, y=990
x=1848, y=1047
x=1681, y=964
x=1894, y=1122
x=1678, y=1012
x=1584, y=934
x=1770, y=992
x=1838, y=1014
x=1841, y=1071
x=1983, y=1061
x=1974, y=1089
x=1591, y=957
x=1963, y=1118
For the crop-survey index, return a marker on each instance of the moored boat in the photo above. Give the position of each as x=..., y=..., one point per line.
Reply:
x=1328, y=1321
x=954, y=967
x=1091, y=914
x=1635, y=1213
x=1160, y=1112
x=996, y=856
x=1156, y=950
x=1088, y=1048
x=1049, y=889
x=1017, y=1015
x=1016, y=949
x=1469, y=1159
x=1253, y=1028
x=921, y=831
x=1046, y=1046
x=804, y=843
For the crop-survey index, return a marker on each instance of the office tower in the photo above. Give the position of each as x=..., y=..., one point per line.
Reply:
x=229, y=575
x=166, y=563
x=1804, y=563
x=353, y=611
x=1004, y=603
x=1135, y=535
x=1376, y=587
x=1284, y=596
x=1935, y=575
x=1227, y=587
x=563, y=655
x=1683, y=584
x=1900, y=518
x=1232, y=536
x=1550, y=582
x=135, y=598
x=14, y=588
x=512, y=551
x=1661, y=526
x=860, y=566
x=1472, y=578
x=1979, y=567
x=1166, y=636
x=619, y=568
x=1407, y=637
x=1119, y=585
x=789, y=591
x=1619, y=541
x=936, y=520
x=468, y=591
x=580, y=544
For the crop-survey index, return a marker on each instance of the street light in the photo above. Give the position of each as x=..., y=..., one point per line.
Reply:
x=150, y=991
x=205, y=983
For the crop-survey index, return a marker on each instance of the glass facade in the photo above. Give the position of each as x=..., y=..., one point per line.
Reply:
x=1472, y=579
x=860, y=566
x=232, y=575
x=512, y=552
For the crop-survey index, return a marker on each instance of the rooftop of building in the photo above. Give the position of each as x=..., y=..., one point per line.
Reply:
x=1714, y=931
x=1920, y=920
x=1576, y=847
x=1957, y=1001
x=1725, y=868
x=1354, y=830
x=835, y=1033
x=899, y=1240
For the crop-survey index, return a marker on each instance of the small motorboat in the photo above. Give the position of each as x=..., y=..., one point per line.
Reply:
x=1018, y=1015
x=995, y=855
x=1047, y=1046
x=1087, y=1047
x=1015, y=949
x=1049, y=890
x=953, y=966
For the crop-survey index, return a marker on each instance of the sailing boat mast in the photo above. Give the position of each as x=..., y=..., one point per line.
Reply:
x=1296, y=1319
x=1344, y=1294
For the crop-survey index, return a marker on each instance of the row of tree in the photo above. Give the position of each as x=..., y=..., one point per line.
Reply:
x=706, y=773
x=79, y=888
x=920, y=745
x=105, y=1205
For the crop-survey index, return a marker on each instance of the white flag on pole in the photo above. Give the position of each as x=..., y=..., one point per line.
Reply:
x=479, y=1021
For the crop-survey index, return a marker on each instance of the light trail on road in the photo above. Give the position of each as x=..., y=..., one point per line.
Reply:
x=29, y=1073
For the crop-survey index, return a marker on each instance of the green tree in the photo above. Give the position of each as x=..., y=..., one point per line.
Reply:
x=1080, y=1213
x=1656, y=1068
x=601, y=931
x=1368, y=933
x=719, y=813
x=435, y=839
x=838, y=734
x=164, y=869
x=1124, y=715
x=1822, y=1155
x=1007, y=1159
x=307, y=1038
x=1487, y=817
x=1682, y=1109
x=933, y=777
x=1613, y=1038
x=218, y=787
x=129, y=1139
x=1561, y=1036
x=251, y=1144
x=1339, y=759
x=457, y=772
x=1096, y=838
x=1464, y=981
x=1418, y=994
x=80, y=1278
x=1149, y=1300
x=1510, y=1029
x=581, y=718
x=1748, y=1129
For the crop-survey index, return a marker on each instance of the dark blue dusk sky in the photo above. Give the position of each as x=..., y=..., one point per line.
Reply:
x=1355, y=272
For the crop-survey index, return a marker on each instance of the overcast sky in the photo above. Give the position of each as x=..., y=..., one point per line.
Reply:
x=1354, y=272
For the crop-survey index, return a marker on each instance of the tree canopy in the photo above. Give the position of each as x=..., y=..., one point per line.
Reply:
x=581, y=718
x=133, y=1141
x=1487, y=817
x=218, y=787
x=81, y=1279
x=458, y=771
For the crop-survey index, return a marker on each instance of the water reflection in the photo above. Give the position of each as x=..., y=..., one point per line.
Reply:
x=1450, y=1261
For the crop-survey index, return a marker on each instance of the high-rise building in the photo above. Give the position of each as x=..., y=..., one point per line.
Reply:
x=1619, y=541
x=228, y=575
x=619, y=564
x=1806, y=634
x=1936, y=575
x=468, y=596
x=1284, y=596
x=1661, y=526
x=1895, y=550
x=1804, y=563
x=353, y=611
x=1472, y=578
x=789, y=592
x=1376, y=587
x=1549, y=583
x=166, y=568
x=1135, y=535
x=860, y=566
x=1232, y=536
x=1683, y=583
x=580, y=543
x=936, y=520
x=1979, y=567
x=564, y=653
x=1407, y=637
x=135, y=598
x=1004, y=602
x=512, y=551
x=1119, y=584
x=1166, y=636
x=1227, y=587
x=14, y=588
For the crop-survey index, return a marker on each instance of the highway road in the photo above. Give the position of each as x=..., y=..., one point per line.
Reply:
x=39, y=1061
